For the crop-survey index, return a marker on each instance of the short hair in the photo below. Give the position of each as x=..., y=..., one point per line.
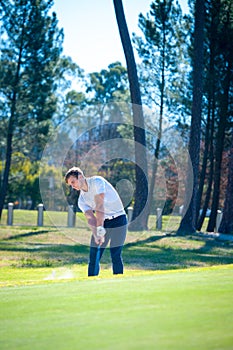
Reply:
x=74, y=171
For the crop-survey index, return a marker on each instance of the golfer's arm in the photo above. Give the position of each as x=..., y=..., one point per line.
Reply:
x=99, y=209
x=91, y=220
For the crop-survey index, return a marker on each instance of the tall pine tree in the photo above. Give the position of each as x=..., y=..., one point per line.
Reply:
x=162, y=51
x=31, y=47
x=141, y=192
x=188, y=222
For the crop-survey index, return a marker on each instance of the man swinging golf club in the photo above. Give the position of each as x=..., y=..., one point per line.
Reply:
x=105, y=214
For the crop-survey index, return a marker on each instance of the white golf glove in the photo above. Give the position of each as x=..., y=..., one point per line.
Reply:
x=100, y=231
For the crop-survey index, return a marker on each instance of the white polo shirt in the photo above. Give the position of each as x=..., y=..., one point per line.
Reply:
x=113, y=206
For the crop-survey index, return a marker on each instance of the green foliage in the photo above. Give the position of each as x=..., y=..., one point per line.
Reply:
x=29, y=57
x=105, y=89
x=218, y=56
x=163, y=49
x=24, y=187
x=107, y=82
x=30, y=51
x=69, y=101
x=24, y=180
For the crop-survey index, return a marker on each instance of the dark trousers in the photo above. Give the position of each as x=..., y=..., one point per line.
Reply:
x=115, y=234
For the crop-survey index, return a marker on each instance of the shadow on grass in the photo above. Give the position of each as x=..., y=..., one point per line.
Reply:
x=174, y=252
x=28, y=234
x=42, y=254
x=154, y=253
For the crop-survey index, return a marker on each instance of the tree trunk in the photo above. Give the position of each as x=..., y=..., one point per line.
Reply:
x=139, y=218
x=226, y=225
x=10, y=132
x=210, y=122
x=188, y=223
x=210, y=178
x=203, y=168
x=219, y=150
x=7, y=165
x=158, y=143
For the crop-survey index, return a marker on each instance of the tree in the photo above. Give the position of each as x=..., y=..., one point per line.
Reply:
x=188, y=222
x=226, y=225
x=208, y=124
x=162, y=53
x=69, y=101
x=225, y=37
x=107, y=88
x=105, y=83
x=216, y=108
x=23, y=185
x=141, y=192
x=31, y=48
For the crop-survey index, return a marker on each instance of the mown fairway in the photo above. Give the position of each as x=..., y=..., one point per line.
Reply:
x=189, y=309
x=176, y=292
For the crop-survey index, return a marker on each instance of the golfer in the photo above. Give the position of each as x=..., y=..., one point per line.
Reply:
x=105, y=214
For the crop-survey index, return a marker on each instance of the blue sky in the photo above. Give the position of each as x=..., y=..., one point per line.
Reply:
x=91, y=34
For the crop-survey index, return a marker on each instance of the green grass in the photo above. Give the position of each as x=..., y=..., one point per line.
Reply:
x=29, y=218
x=176, y=292
x=59, y=218
x=183, y=309
x=50, y=248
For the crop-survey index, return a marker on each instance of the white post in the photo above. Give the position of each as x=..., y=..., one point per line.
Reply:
x=181, y=210
x=218, y=219
x=40, y=214
x=159, y=219
x=130, y=214
x=10, y=214
x=71, y=216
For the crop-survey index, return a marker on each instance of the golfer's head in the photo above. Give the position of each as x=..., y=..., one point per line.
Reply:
x=74, y=178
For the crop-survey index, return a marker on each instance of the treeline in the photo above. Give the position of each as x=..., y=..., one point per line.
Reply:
x=41, y=90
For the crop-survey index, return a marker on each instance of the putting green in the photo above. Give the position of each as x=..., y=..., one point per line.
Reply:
x=182, y=309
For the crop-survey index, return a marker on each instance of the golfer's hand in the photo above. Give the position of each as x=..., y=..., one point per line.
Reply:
x=99, y=240
x=100, y=233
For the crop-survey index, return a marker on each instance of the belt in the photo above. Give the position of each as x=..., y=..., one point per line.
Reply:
x=111, y=217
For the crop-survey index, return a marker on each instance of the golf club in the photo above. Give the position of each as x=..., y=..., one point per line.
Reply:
x=97, y=261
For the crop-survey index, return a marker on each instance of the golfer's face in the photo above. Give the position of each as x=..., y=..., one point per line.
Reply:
x=75, y=182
